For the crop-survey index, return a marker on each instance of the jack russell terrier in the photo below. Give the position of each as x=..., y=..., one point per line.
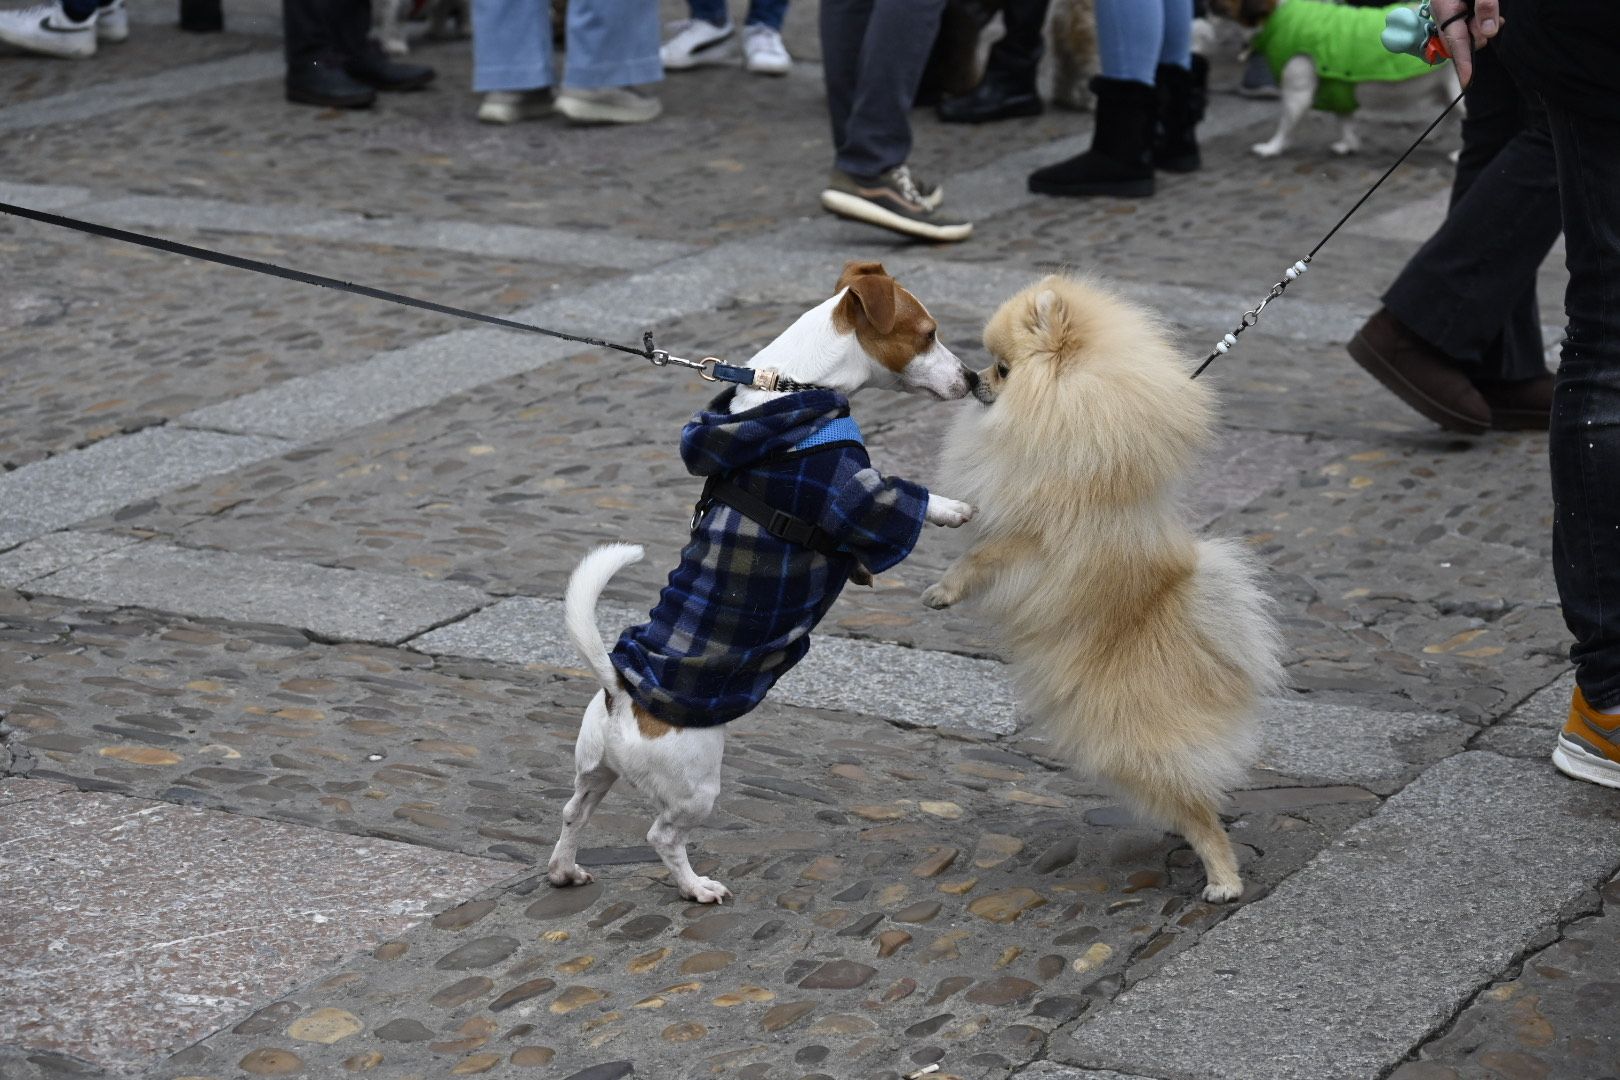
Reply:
x=791, y=511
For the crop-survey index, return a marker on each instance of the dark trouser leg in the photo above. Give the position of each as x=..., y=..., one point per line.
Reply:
x=332, y=30
x=1470, y=291
x=1017, y=56
x=1585, y=438
x=873, y=53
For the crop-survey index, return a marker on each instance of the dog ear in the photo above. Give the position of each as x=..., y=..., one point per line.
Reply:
x=873, y=296
x=858, y=268
x=1052, y=321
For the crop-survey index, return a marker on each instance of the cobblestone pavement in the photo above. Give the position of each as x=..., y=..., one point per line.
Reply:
x=286, y=716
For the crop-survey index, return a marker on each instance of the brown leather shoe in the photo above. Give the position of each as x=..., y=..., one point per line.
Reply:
x=1419, y=375
x=1525, y=405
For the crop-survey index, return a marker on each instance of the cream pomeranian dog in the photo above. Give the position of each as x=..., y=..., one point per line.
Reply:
x=1142, y=649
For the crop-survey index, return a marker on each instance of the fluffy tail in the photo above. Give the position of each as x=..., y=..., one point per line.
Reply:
x=590, y=577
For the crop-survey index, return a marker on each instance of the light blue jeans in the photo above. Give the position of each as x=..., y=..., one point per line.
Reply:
x=1135, y=36
x=610, y=43
x=760, y=12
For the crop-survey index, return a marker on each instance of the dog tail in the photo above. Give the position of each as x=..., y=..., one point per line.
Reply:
x=590, y=577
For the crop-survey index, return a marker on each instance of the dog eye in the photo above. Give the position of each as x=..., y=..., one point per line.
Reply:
x=1002, y=369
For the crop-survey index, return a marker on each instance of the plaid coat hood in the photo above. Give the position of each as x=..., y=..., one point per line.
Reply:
x=738, y=609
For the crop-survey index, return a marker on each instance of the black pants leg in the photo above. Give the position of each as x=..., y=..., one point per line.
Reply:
x=1017, y=56
x=331, y=30
x=1470, y=291
x=873, y=53
x=1584, y=441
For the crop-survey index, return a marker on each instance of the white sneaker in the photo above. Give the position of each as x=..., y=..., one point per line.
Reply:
x=510, y=106
x=46, y=29
x=112, y=22
x=610, y=105
x=763, y=51
x=698, y=42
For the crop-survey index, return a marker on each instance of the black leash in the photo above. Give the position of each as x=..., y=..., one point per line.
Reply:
x=710, y=367
x=1292, y=274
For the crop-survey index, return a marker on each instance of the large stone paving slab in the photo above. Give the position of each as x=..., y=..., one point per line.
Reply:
x=134, y=928
x=1361, y=956
x=99, y=337
x=1551, y=1018
x=48, y=495
x=345, y=604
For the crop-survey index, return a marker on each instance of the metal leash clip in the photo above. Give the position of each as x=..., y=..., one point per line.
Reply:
x=704, y=367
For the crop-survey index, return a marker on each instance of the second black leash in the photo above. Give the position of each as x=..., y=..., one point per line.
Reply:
x=1292, y=274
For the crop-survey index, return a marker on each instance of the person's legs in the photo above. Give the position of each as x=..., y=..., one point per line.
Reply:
x=306, y=32
x=611, y=43
x=876, y=135
x=1130, y=38
x=771, y=13
x=1018, y=54
x=1175, y=47
x=511, y=45
x=843, y=32
x=710, y=11
x=1584, y=445
x=1469, y=292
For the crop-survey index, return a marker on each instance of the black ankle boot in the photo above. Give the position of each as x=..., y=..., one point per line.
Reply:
x=1183, y=93
x=997, y=97
x=1120, y=161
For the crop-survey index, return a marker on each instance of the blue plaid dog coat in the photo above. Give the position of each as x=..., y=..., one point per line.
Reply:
x=738, y=609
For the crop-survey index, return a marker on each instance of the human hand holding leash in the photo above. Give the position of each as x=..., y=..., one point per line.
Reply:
x=1466, y=26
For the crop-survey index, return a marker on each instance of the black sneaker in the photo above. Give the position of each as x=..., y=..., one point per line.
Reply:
x=892, y=202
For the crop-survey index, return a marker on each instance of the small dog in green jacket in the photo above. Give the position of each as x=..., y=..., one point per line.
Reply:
x=1319, y=52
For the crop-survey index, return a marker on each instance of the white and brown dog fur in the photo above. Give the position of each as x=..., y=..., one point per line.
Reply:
x=1297, y=86
x=1140, y=648
x=871, y=332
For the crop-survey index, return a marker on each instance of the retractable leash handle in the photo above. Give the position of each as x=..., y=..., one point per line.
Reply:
x=1415, y=33
x=1405, y=31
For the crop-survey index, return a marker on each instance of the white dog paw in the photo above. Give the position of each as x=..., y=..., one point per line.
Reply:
x=707, y=891
x=1266, y=149
x=937, y=596
x=1222, y=894
x=949, y=512
x=563, y=876
x=1346, y=147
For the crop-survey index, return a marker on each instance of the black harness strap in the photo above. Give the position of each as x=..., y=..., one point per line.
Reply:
x=779, y=523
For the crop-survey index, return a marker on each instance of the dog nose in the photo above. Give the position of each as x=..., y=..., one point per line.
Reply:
x=972, y=379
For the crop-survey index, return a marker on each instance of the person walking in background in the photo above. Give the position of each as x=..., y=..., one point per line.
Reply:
x=1568, y=53
x=612, y=47
x=70, y=29
x=332, y=60
x=1008, y=87
x=873, y=53
x=1150, y=98
x=709, y=37
x=1459, y=335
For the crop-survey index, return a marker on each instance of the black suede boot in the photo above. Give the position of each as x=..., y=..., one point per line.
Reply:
x=1120, y=161
x=1183, y=94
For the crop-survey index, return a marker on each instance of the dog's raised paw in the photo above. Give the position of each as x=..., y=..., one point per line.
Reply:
x=949, y=512
x=937, y=596
x=707, y=891
x=563, y=876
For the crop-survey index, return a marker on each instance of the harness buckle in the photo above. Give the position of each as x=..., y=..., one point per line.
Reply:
x=766, y=378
